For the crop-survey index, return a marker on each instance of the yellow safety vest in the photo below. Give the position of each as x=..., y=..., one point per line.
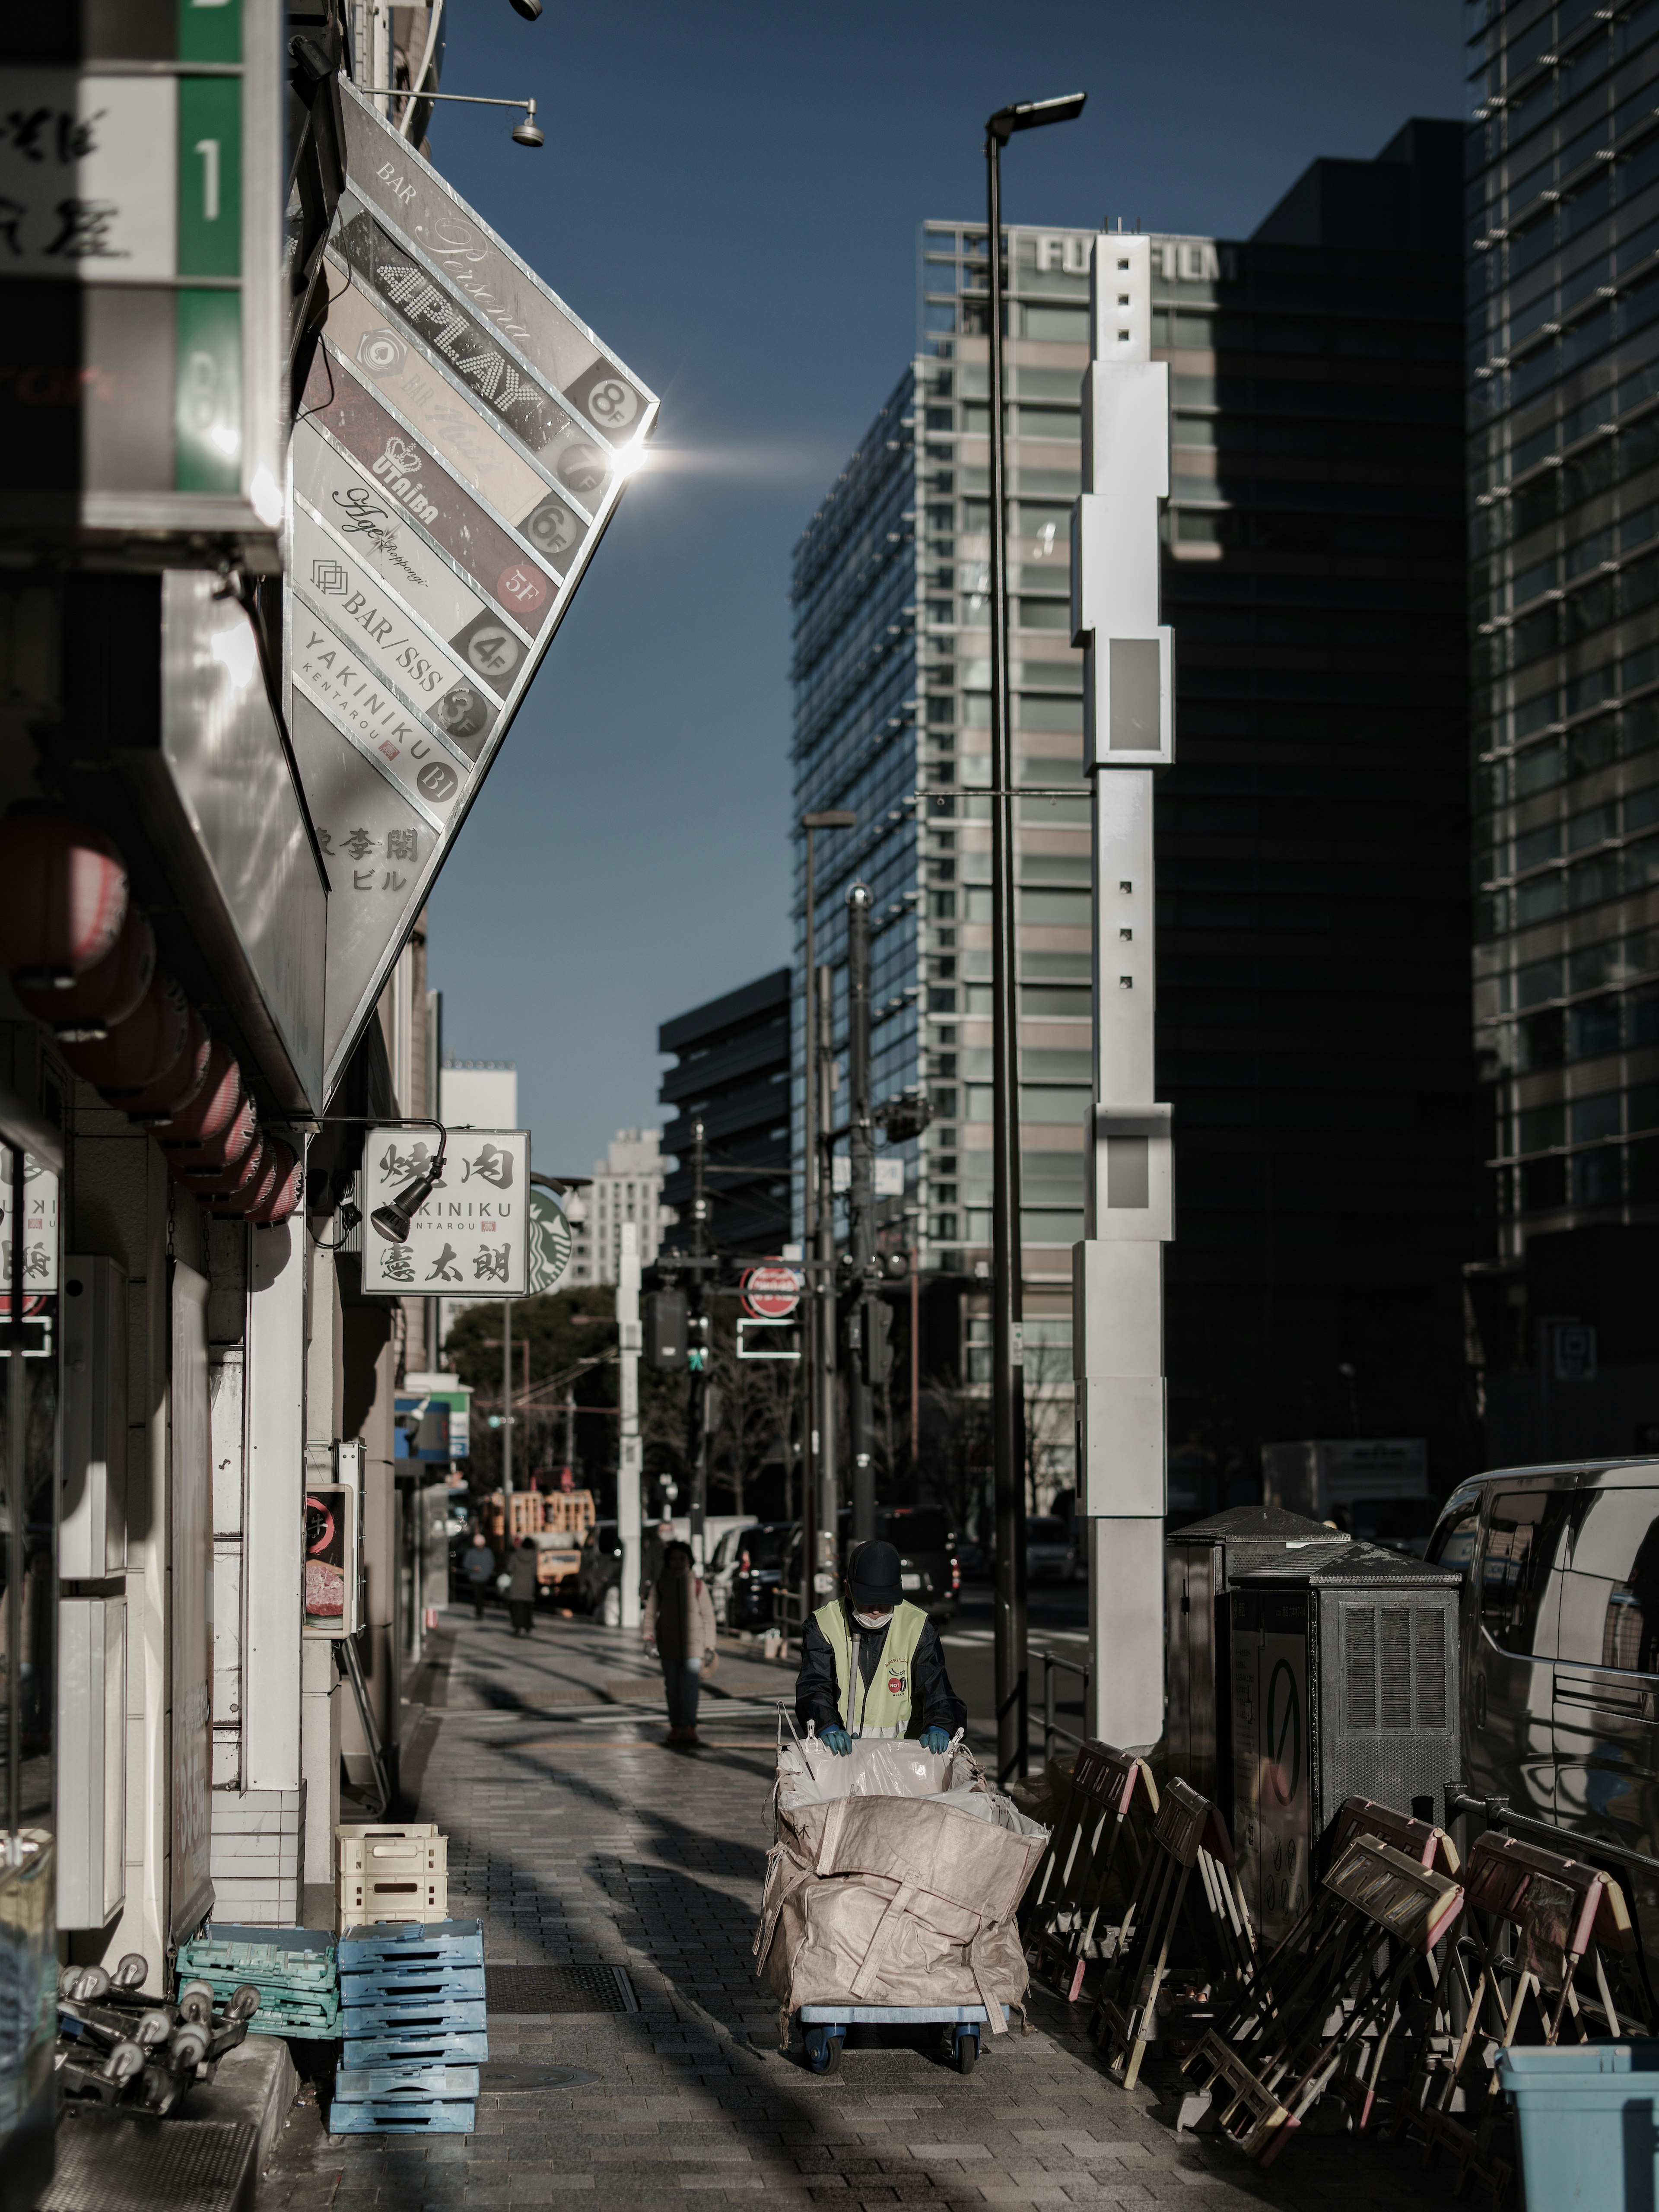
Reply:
x=884, y=1708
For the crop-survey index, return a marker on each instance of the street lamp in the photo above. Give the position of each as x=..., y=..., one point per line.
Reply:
x=819, y=1238
x=1007, y=1302
x=527, y=133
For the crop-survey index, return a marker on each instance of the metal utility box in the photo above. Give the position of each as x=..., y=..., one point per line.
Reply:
x=92, y=1537
x=1344, y=1664
x=92, y=1748
x=1201, y=1562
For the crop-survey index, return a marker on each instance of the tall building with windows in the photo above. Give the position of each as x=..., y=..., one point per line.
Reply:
x=730, y=1073
x=1312, y=837
x=1562, y=210
x=627, y=1186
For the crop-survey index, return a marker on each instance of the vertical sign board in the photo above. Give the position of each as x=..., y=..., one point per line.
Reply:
x=472, y=1236
x=461, y=445
x=189, y=1591
x=142, y=184
x=1273, y=1751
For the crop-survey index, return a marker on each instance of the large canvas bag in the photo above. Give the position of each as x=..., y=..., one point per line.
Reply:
x=895, y=1898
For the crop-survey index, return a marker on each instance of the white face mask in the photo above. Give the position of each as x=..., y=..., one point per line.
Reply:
x=873, y=1619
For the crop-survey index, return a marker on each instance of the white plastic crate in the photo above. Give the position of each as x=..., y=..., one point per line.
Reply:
x=414, y=1848
x=367, y=1898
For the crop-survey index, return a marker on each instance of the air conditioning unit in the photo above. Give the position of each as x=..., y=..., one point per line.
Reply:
x=1345, y=1684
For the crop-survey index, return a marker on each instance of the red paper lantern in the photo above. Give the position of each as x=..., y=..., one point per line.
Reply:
x=140, y=1050
x=255, y=1179
x=219, y=1158
x=239, y=1182
x=156, y=1106
x=210, y=1113
x=64, y=900
x=107, y=994
x=279, y=1203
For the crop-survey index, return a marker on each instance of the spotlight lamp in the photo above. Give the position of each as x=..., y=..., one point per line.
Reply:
x=530, y=10
x=393, y=1219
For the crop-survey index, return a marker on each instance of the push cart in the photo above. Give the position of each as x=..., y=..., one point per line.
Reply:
x=825, y=2027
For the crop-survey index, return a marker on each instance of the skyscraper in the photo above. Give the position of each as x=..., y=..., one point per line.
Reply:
x=1312, y=917
x=1562, y=229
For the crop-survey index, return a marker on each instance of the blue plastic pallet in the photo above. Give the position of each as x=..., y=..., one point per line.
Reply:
x=420, y=2014
x=413, y=2116
x=463, y=2047
x=388, y=1985
x=396, y=1943
x=360, y=2085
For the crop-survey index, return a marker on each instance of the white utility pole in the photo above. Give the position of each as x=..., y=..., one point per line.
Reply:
x=1118, y=1269
x=629, y=1453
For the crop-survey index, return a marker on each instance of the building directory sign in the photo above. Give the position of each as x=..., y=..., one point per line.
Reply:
x=472, y=1234
x=141, y=204
x=461, y=445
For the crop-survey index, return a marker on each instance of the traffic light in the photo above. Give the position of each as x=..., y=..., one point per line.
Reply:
x=665, y=1332
x=698, y=1348
x=876, y=1350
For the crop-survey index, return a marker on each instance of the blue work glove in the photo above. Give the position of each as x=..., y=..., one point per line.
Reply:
x=838, y=1741
x=935, y=1739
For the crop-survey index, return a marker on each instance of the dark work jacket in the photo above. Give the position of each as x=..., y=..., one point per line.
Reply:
x=932, y=1697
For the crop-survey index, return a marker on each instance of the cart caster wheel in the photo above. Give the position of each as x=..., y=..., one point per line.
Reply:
x=823, y=2051
x=967, y=2051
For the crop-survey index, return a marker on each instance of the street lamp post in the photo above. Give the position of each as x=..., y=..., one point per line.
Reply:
x=818, y=1237
x=1007, y=1355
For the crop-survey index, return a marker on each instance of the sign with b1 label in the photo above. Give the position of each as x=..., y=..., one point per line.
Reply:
x=463, y=441
x=141, y=185
x=470, y=1238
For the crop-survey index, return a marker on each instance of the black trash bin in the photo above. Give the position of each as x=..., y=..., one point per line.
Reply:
x=1201, y=1562
x=1344, y=1685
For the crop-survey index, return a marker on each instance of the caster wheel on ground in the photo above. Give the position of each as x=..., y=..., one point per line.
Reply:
x=823, y=2051
x=967, y=2051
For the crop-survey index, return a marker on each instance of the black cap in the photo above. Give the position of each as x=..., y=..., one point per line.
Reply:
x=872, y=1576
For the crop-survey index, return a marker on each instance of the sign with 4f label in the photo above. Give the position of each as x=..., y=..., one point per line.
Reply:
x=471, y=1236
x=463, y=442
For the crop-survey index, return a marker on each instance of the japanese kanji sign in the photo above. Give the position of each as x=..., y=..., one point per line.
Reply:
x=141, y=224
x=471, y=1238
x=41, y=1269
x=461, y=445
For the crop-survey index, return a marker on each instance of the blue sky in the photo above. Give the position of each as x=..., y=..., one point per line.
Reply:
x=730, y=194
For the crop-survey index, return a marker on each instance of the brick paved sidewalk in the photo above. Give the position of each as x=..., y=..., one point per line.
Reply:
x=577, y=1837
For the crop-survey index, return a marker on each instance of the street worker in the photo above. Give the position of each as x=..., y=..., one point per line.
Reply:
x=679, y=1628
x=869, y=1659
x=478, y=1566
x=521, y=1586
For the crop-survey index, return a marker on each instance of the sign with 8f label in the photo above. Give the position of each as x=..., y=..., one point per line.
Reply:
x=464, y=442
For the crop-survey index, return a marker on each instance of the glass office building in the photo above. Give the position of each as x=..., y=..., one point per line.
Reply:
x=1312, y=837
x=1562, y=231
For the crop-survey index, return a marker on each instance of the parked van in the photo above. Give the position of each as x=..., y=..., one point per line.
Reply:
x=1560, y=1650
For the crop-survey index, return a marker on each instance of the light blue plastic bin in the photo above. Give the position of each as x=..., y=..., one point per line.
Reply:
x=1588, y=2118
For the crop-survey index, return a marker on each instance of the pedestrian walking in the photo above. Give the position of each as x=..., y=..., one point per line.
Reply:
x=653, y=1553
x=679, y=1630
x=478, y=1566
x=521, y=1586
x=869, y=1659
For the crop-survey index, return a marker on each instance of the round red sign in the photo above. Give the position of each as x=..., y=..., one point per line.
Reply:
x=771, y=1291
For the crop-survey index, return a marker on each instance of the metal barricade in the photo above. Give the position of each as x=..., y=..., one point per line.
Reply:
x=1051, y=1727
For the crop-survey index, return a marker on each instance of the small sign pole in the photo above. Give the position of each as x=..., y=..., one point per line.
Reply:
x=628, y=1464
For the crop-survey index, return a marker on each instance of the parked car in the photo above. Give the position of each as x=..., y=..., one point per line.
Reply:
x=1051, y=1551
x=926, y=1545
x=598, y=1573
x=745, y=1573
x=1561, y=1649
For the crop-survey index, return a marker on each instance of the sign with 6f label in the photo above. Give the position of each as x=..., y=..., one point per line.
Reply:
x=463, y=442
